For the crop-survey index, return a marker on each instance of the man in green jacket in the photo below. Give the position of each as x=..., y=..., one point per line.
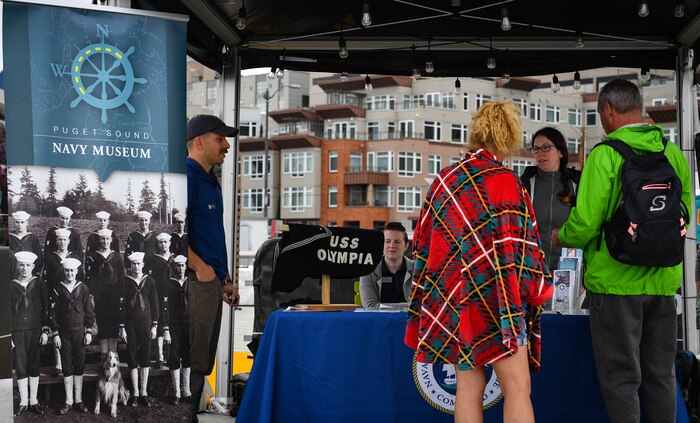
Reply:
x=632, y=308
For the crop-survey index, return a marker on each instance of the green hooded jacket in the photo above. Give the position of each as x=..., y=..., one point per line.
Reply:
x=599, y=196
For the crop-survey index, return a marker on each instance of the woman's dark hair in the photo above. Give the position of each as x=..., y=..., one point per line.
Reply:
x=559, y=142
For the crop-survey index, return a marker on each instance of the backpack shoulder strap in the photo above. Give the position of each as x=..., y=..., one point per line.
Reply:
x=621, y=147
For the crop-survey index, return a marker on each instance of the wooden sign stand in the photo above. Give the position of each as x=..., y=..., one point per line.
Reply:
x=325, y=294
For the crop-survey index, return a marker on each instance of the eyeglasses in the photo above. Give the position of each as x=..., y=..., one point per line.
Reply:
x=543, y=148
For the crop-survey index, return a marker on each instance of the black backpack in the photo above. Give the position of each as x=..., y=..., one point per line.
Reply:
x=648, y=228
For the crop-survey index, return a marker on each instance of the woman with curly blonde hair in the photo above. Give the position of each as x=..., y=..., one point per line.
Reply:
x=479, y=276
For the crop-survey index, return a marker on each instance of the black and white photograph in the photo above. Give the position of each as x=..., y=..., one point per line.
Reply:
x=75, y=239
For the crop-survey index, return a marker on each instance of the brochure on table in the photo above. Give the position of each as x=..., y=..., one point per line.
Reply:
x=569, y=293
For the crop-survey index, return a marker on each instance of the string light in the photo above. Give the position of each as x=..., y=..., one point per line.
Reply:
x=491, y=61
x=577, y=80
x=505, y=20
x=643, y=9
x=579, y=38
x=366, y=16
x=645, y=74
x=679, y=10
x=458, y=86
x=240, y=21
x=505, y=78
x=343, y=51
x=344, y=76
x=429, y=65
x=555, y=84
x=368, y=83
x=271, y=75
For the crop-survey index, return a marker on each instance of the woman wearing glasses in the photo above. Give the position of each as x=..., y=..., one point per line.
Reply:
x=552, y=187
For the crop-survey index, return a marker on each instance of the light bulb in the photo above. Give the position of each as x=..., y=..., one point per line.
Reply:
x=279, y=73
x=240, y=22
x=645, y=74
x=491, y=62
x=577, y=80
x=344, y=76
x=343, y=52
x=368, y=83
x=555, y=84
x=579, y=39
x=679, y=11
x=505, y=78
x=271, y=75
x=366, y=16
x=458, y=86
x=429, y=66
x=416, y=73
x=643, y=9
x=505, y=21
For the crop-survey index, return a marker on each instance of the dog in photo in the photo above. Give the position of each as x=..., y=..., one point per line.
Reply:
x=110, y=386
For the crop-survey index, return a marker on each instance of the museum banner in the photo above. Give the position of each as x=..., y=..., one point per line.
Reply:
x=95, y=126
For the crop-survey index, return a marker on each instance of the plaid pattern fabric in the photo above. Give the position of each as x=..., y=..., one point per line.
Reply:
x=478, y=266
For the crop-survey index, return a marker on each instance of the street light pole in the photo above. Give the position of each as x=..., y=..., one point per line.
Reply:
x=266, y=197
x=267, y=96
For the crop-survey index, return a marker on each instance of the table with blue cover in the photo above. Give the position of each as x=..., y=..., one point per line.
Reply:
x=321, y=367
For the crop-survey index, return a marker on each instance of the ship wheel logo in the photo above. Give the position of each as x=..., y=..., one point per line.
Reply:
x=103, y=77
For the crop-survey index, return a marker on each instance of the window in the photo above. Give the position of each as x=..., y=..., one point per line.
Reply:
x=413, y=101
x=459, y=133
x=409, y=163
x=333, y=196
x=355, y=161
x=381, y=102
x=659, y=102
x=391, y=130
x=248, y=129
x=383, y=196
x=253, y=166
x=552, y=114
x=591, y=117
x=332, y=161
x=372, y=130
x=522, y=103
x=380, y=161
x=455, y=159
x=434, y=164
x=572, y=145
x=432, y=99
x=409, y=198
x=433, y=130
x=356, y=196
x=298, y=164
x=296, y=199
x=448, y=100
x=406, y=129
x=343, y=130
x=526, y=138
x=481, y=99
x=535, y=112
x=519, y=166
x=253, y=200
x=670, y=134
x=465, y=101
x=574, y=117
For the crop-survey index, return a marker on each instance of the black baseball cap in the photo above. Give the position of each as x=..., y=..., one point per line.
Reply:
x=201, y=124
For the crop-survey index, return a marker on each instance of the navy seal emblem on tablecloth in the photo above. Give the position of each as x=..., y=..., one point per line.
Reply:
x=437, y=384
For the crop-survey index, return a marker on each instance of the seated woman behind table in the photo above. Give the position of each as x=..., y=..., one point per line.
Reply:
x=391, y=280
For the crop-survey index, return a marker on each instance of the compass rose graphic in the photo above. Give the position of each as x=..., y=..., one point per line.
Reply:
x=103, y=77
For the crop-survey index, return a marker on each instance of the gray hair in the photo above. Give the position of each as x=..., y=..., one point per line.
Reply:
x=622, y=95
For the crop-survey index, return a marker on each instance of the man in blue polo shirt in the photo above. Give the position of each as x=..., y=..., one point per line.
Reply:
x=207, y=257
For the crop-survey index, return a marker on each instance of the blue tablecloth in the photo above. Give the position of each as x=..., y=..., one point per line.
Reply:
x=353, y=367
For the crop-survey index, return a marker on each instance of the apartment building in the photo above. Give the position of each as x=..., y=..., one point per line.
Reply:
x=340, y=154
